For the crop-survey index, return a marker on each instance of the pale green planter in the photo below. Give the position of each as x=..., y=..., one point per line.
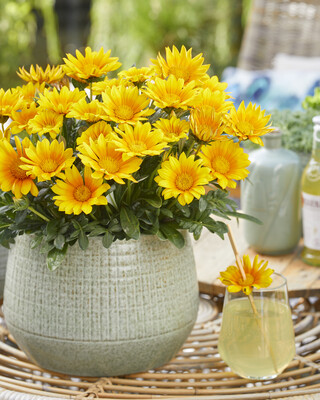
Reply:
x=3, y=266
x=103, y=312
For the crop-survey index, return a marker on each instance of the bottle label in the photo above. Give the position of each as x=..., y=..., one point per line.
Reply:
x=311, y=220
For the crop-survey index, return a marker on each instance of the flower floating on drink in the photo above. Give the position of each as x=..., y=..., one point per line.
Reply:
x=257, y=337
x=256, y=276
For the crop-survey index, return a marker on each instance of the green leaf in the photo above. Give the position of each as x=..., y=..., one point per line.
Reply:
x=99, y=230
x=166, y=212
x=52, y=227
x=154, y=201
x=83, y=240
x=59, y=242
x=173, y=235
x=55, y=257
x=129, y=223
x=35, y=242
x=245, y=216
x=203, y=204
x=107, y=240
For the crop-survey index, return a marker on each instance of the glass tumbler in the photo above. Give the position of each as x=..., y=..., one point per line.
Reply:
x=257, y=337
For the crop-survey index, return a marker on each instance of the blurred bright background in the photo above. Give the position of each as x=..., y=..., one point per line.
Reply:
x=41, y=32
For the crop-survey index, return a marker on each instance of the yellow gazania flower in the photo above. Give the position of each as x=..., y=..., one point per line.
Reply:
x=139, y=141
x=47, y=160
x=125, y=105
x=21, y=118
x=173, y=129
x=102, y=157
x=30, y=91
x=257, y=276
x=91, y=112
x=214, y=84
x=12, y=177
x=206, y=124
x=171, y=92
x=76, y=194
x=137, y=75
x=181, y=65
x=216, y=99
x=38, y=75
x=46, y=122
x=107, y=84
x=94, y=131
x=92, y=65
x=248, y=123
x=10, y=101
x=60, y=102
x=183, y=178
x=227, y=161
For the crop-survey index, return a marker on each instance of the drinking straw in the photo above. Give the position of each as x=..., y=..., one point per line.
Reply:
x=243, y=274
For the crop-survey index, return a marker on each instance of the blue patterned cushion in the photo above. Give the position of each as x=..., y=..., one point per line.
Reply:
x=271, y=89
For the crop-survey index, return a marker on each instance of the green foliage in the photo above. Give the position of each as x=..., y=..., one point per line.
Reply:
x=296, y=127
x=312, y=102
x=212, y=27
x=17, y=36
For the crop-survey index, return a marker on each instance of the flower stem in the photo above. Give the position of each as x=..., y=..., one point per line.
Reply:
x=250, y=297
x=38, y=214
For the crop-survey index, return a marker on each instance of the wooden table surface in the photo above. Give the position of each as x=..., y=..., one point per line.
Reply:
x=212, y=255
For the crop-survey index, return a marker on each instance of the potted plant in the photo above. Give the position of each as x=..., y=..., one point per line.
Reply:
x=102, y=179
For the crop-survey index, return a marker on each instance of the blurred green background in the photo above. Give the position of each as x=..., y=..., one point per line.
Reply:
x=41, y=32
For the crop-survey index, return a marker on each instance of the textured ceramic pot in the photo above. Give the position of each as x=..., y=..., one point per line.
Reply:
x=3, y=266
x=104, y=311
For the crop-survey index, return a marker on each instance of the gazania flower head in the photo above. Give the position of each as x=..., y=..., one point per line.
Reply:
x=21, y=118
x=257, y=276
x=181, y=65
x=91, y=112
x=60, y=101
x=30, y=91
x=183, y=178
x=125, y=105
x=217, y=100
x=214, y=84
x=227, y=162
x=206, y=124
x=47, y=160
x=139, y=141
x=248, y=123
x=10, y=101
x=12, y=177
x=102, y=157
x=76, y=194
x=94, y=131
x=46, y=121
x=172, y=129
x=93, y=64
x=106, y=85
x=37, y=75
x=171, y=92
x=137, y=75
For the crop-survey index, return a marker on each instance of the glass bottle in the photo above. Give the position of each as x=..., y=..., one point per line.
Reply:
x=310, y=185
x=271, y=193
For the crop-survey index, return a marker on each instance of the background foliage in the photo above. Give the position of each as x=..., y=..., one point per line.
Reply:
x=41, y=31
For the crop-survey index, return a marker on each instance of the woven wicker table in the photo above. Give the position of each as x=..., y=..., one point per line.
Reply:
x=196, y=373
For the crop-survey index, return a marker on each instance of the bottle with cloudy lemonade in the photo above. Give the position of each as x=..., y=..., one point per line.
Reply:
x=310, y=186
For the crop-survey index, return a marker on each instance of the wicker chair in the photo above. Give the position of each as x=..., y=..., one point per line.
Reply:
x=280, y=26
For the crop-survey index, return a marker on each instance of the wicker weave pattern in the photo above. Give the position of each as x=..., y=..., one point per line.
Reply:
x=280, y=26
